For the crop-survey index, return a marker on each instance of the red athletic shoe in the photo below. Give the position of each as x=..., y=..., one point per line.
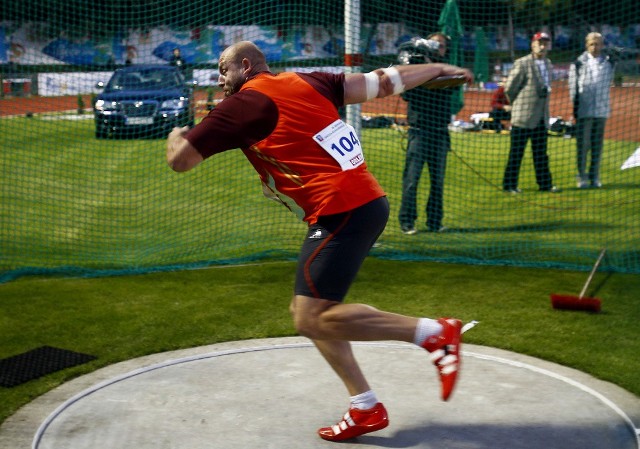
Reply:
x=355, y=423
x=445, y=353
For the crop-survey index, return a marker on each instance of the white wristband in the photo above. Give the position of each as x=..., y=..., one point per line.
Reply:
x=396, y=79
x=373, y=84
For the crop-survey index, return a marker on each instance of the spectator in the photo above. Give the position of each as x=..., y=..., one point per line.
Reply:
x=500, y=107
x=528, y=89
x=176, y=59
x=590, y=78
x=428, y=138
x=287, y=125
x=497, y=71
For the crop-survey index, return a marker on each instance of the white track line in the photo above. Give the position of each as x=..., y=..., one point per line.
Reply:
x=606, y=401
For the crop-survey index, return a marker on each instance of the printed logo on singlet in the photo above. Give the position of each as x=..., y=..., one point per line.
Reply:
x=316, y=235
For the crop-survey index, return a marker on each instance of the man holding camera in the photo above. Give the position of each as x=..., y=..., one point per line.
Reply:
x=528, y=88
x=429, y=141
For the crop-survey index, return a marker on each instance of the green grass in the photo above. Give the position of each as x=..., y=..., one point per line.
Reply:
x=119, y=318
x=115, y=203
x=72, y=203
x=488, y=226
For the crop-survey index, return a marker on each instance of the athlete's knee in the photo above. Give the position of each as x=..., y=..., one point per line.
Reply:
x=307, y=328
x=308, y=315
x=292, y=306
x=307, y=325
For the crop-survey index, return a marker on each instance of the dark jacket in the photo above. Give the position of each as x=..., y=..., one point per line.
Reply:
x=428, y=108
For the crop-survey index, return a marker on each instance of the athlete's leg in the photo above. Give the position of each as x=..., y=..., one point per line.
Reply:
x=331, y=325
x=321, y=319
x=330, y=258
x=339, y=356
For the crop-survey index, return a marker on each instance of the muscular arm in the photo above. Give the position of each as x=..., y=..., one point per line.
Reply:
x=413, y=75
x=181, y=155
x=239, y=121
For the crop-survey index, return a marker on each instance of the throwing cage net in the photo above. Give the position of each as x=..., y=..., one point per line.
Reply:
x=83, y=196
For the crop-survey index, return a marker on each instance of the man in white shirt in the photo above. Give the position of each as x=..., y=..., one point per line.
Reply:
x=590, y=80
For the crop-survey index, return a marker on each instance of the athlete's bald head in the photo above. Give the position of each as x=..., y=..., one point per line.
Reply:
x=235, y=53
x=238, y=63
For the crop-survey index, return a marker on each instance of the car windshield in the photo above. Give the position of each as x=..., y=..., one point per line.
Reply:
x=145, y=79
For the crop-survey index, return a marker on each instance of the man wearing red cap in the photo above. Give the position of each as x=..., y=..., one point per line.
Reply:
x=528, y=88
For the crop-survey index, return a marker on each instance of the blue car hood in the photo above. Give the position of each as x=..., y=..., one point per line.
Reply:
x=158, y=95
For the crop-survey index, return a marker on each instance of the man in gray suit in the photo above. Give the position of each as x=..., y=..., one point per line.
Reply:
x=528, y=88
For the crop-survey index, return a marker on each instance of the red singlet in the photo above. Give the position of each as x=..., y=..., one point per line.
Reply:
x=274, y=119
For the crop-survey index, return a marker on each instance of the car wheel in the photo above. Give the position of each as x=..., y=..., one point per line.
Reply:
x=101, y=133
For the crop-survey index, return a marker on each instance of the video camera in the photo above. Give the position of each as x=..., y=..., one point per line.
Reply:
x=620, y=53
x=419, y=51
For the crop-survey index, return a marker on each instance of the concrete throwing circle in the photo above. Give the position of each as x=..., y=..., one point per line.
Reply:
x=277, y=395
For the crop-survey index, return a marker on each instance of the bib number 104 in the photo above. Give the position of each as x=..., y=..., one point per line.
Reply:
x=341, y=142
x=346, y=144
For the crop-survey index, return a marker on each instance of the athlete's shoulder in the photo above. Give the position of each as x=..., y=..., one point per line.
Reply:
x=238, y=121
x=246, y=98
x=330, y=85
x=326, y=77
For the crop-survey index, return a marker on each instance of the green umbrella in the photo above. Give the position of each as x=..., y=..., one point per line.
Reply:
x=449, y=23
x=481, y=61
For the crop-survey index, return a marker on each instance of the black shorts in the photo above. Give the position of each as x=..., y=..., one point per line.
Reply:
x=335, y=247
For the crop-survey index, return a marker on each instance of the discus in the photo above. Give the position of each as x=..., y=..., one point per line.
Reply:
x=442, y=82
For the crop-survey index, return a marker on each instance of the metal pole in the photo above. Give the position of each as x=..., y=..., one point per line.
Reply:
x=352, y=55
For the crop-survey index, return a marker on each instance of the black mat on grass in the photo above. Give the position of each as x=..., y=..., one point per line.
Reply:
x=38, y=362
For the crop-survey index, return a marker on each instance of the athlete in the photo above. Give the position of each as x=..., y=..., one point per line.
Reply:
x=288, y=127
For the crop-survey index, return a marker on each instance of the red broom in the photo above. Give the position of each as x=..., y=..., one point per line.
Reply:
x=571, y=302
